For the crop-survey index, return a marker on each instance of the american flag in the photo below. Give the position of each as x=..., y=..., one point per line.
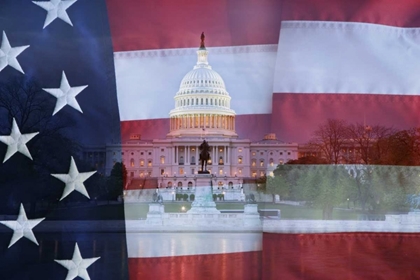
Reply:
x=290, y=64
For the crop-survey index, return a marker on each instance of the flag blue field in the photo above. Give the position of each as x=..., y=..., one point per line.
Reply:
x=57, y=86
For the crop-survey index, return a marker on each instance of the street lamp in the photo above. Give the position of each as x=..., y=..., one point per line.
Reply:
x=348, y=203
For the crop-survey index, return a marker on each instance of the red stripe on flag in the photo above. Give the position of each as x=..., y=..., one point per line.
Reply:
x=252, y=127
x=164, y=24
x=296, y=116
x=241, y=266
x=341, y=256
x=402, y=13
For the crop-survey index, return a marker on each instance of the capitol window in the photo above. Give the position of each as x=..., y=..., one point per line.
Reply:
x=262, y=163
x=149, y=163
x=132, y=162
x=254, y=162
x=162, y=160
x=141, y=163
x=240, y=160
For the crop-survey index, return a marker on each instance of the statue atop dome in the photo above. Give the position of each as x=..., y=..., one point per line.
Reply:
x=202, y=37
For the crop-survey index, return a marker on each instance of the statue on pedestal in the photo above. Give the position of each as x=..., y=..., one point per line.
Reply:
x=157, y=197
x=204, y=157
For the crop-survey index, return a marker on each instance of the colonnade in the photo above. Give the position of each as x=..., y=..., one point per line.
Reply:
x=187, y=152
x=202, y=121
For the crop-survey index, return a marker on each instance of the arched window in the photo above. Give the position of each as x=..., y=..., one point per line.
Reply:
x=132, y=162
x=190, y=184
x=239, y=160
x=162, y=160
x=180, y=184
x=271, y=162
x=230, y=184
x=261, y=162
x=169, y=184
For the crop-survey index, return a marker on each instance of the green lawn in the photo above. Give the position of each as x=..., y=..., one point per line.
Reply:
x=290, y=212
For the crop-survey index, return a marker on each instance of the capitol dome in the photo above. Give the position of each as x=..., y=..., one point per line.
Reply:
x=202, y=103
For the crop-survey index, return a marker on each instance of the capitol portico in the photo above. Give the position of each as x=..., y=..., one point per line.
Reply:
x=202, y=110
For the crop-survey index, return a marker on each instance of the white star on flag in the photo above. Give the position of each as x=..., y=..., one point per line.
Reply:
x=8, y=55
x=77, y=265
x=56, y=9
x=22, y=227
x=16, y=142
x=65, y=94
x=74, y=180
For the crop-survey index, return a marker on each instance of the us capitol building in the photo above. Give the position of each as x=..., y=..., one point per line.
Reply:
x=202, y=111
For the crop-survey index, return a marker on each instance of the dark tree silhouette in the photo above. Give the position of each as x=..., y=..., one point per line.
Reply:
x=329, y=139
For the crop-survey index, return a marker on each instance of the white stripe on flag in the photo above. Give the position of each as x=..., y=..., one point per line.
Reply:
x=346, y=57
x=149, y=243
x=147, y=81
